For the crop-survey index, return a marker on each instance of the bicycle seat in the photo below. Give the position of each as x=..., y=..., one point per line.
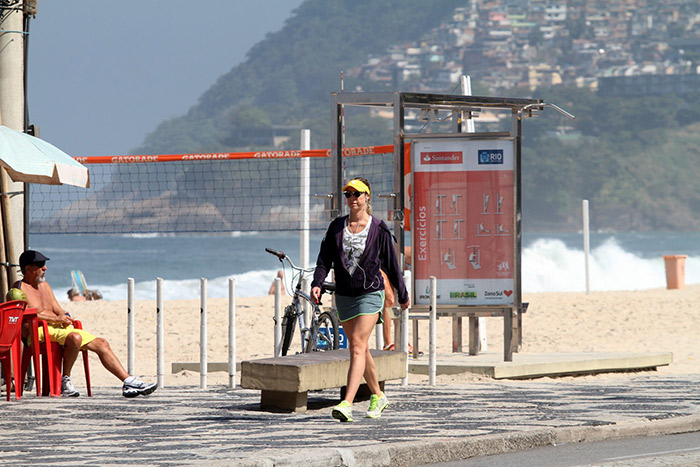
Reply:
x=327, y=287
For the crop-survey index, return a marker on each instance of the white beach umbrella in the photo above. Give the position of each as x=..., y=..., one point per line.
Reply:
x=32, y=160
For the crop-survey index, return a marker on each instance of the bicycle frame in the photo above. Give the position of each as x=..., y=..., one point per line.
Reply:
x=311, y=333
x=304, y=330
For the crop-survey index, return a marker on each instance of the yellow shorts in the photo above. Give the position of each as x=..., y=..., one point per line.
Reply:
x=59, y=334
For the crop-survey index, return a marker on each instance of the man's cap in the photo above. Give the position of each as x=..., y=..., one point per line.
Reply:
x=31, y=257
x=358, y=185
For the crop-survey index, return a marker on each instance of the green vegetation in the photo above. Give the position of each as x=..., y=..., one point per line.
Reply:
x=290, y=75
x=634, y=159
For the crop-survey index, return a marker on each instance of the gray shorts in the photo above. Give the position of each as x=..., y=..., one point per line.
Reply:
x=367, y=304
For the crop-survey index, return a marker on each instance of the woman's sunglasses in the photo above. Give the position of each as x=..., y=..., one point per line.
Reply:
x=355, y=194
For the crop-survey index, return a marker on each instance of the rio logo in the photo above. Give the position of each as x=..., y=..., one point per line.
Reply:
x=490, y=156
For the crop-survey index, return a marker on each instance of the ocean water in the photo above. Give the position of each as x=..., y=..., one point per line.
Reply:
x=551, y=262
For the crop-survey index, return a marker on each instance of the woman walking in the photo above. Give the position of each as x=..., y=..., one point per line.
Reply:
x=357, y=246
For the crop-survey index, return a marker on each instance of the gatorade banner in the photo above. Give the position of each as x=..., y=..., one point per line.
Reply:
x=286, y=154
x=463, y=221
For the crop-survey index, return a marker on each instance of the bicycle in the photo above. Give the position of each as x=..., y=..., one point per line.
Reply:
x=324, y=330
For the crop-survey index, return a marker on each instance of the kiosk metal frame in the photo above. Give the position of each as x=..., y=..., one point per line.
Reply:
x=460, y=108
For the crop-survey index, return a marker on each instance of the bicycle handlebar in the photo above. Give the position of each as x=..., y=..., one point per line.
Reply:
x=279, y=254
x=282, y=256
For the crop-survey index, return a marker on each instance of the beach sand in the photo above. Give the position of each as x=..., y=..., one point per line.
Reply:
x=634, y=321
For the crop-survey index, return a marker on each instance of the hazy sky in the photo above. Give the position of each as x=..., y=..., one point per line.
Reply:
x=104, y=73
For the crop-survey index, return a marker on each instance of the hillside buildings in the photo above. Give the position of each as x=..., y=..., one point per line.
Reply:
x=506, y=44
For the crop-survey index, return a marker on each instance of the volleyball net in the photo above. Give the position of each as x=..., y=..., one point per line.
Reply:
x=219, y=192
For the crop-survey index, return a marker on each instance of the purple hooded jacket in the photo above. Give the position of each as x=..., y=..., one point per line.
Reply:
x=379, y=254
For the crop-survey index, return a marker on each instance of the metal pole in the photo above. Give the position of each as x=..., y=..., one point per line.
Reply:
x=586, y=245
x=466, y=84
x=203, y=335
x=432, y=363
x=160, y=334
x=278, y=317
x=232, y=333
x=130, y=326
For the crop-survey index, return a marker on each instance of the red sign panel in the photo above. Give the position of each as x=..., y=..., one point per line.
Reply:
x=463, y=221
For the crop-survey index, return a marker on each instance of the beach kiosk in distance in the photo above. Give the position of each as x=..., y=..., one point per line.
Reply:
x=459, y=196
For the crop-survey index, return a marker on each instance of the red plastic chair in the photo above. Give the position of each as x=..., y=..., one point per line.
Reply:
x=10, y=343
x=49, y=376
x=31, y=351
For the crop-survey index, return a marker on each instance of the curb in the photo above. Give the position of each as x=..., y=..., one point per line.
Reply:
x=432, y=452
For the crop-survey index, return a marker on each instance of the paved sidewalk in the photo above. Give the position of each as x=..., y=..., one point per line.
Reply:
x=423, y=424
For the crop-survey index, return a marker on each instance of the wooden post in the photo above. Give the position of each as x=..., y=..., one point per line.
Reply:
x=10, y=253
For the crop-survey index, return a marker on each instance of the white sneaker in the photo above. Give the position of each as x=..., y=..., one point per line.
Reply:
x=67, y=389
x=377, y=405
x=136, y=387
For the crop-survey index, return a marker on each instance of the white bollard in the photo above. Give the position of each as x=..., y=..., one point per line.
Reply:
x=232, y=333
x=160, y=339
x=432, y=361
x=203, y=335
x=278, y=317
x=379, y=335
x=130, y=341
x=586, y=244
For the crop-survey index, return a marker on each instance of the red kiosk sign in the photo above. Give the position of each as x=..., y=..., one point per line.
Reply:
x=463, y=219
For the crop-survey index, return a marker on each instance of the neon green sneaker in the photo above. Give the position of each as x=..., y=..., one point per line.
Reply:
x=377, y=405
x=343, y=411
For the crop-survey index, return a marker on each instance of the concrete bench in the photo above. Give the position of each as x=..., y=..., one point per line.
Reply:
x=286, y=381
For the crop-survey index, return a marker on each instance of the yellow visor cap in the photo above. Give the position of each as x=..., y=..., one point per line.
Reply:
x=357, y=185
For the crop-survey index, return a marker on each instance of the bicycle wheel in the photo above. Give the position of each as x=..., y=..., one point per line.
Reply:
x=288, y=322
x=326, y=333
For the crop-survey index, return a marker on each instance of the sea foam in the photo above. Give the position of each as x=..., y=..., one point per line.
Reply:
x=548, y=265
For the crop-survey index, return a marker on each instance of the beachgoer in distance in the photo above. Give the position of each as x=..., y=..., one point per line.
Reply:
x=389, y=303
x=61, y=330
x=280, y=274
x=74, y=296
x=357, y=246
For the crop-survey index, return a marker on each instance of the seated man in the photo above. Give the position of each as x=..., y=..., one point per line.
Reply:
x=40, y=296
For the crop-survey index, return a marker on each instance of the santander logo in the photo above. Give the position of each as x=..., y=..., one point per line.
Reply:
x=441, y=157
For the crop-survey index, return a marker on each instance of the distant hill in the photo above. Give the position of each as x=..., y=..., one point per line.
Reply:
x=635, y=159
x=287, y=78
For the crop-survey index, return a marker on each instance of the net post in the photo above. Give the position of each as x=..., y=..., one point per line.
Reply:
x=305, y=200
